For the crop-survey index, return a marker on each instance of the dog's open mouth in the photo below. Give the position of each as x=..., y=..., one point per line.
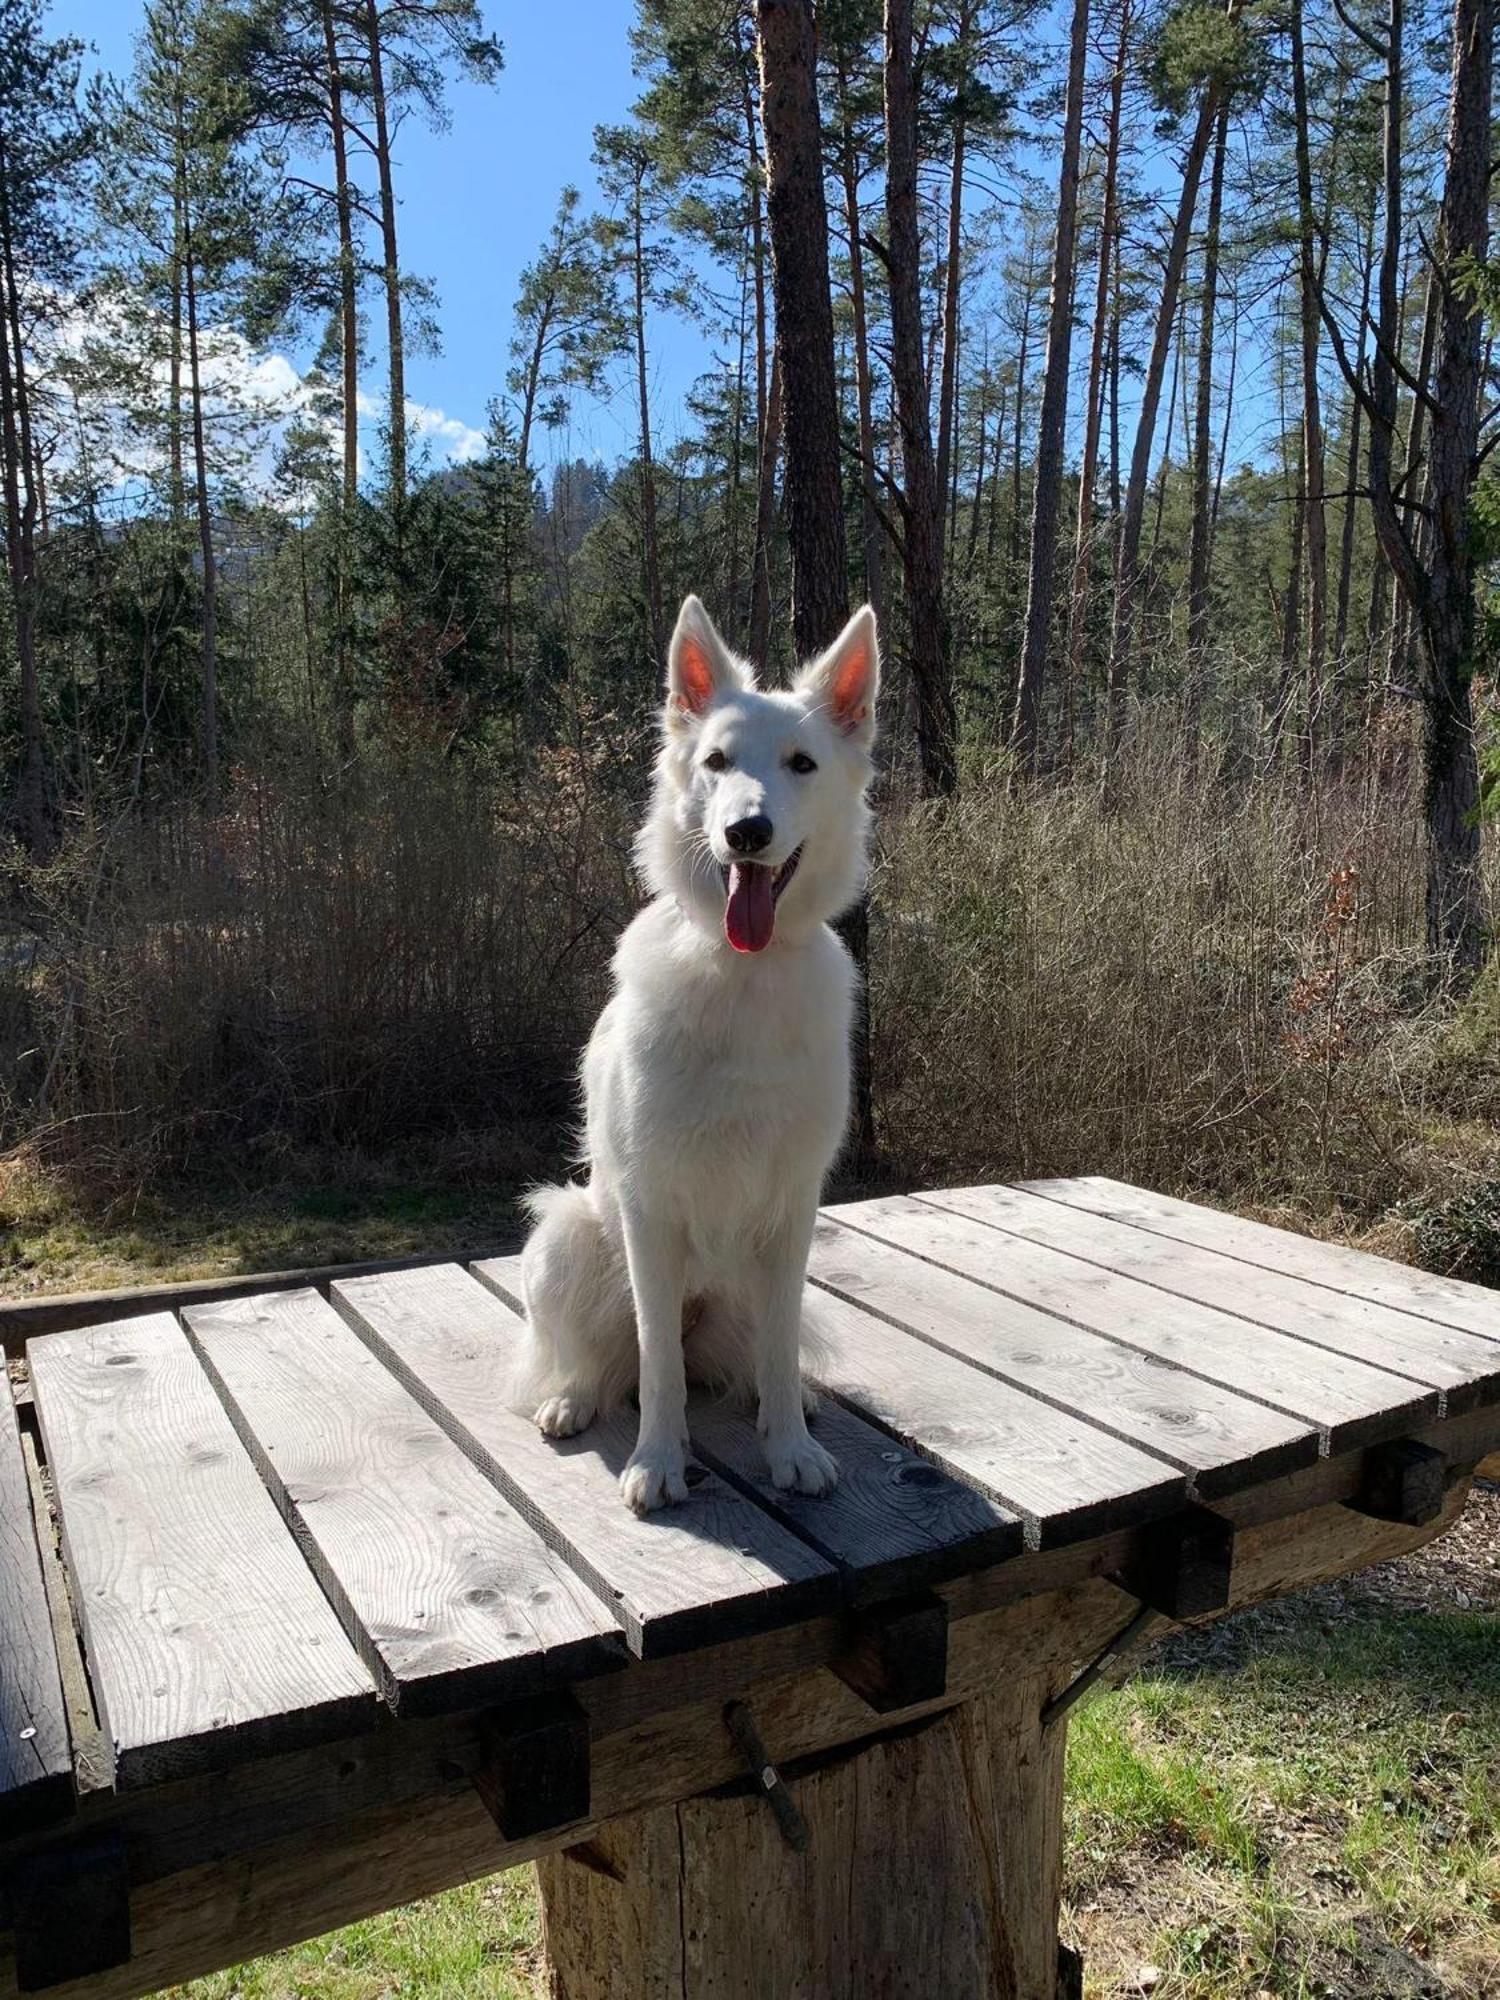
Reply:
x=751, y=893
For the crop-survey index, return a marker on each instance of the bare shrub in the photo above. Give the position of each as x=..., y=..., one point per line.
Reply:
x=417, y=946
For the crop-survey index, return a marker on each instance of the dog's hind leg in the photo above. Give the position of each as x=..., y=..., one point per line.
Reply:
x=579, y=1355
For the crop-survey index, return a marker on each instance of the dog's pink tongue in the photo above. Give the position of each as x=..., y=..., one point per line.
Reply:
x=750, y=913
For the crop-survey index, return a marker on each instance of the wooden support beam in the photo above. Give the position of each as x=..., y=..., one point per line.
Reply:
x=323, y=1837
x=1183, y=1565
x=897, y=1654
x=1403, y=1481
x=535, y=1774
x=70, y=1911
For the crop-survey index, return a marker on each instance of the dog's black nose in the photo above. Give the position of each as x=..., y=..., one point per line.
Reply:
x=749, y=836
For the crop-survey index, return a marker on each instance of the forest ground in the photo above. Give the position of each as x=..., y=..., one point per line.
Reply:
x=1299, y=1802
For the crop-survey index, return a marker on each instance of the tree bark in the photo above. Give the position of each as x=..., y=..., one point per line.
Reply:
x=872, y=535
x=209, y=695
x=32, y=811
x=349, y=391
x=391, y=273
x=1127, y=579
x=1046, y=501
x=1351, y=497
x=1088, y=474
x=948, y=380
x=814, y=497
x=1316, y=523
x=1200, y=554
x=650, y=543
x=931, y=665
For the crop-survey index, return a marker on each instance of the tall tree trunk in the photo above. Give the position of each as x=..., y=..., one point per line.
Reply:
x=1200, y=554
x=1399, y=663
x=767, y=386
x=1455, y=912
x=948, y=381
x=871, y=533
x=1291, y=608
x=650, y=543
x=765, y=520
x=177, y=495
x=349, y=392
x=1088, y=474
x=804, y=321
x=931, y=664
x=1046, y=504
x=32, y=812
x=209, y=720
x=1351, y=483
x=1312, y=408
x=1127, y=579
x=391, y=272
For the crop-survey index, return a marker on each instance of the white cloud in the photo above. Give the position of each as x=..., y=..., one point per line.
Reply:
x=451, y=440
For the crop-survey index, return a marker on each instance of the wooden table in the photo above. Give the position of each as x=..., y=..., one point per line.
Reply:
x=349, y=1632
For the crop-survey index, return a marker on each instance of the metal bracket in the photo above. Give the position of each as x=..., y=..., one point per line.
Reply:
x=1125, y=1641
x=741, y=1725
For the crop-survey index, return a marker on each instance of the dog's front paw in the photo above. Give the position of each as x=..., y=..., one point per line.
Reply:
x=800, y=1465
x=656, y=1476
x=564, y=1416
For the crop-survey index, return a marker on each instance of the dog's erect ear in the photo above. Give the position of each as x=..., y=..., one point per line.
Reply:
x=700, y=667
x=845, y=680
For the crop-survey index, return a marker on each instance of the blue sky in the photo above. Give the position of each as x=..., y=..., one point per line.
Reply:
x=477, y=200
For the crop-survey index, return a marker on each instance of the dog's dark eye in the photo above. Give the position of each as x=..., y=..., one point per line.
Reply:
x=716, y=761
x=801, y=763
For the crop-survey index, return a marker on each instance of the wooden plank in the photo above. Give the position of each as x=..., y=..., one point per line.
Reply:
x=1452, y=1302
x=449, y=1597
x=1464, y=1367
x=1349, y=1401
x=36, y=1766
x=235, y=1905
x=207, y=1638
x=60, y=1312
x=894, y=1522
x=1062, y=1475
x=1222, y=1439
x=714, y=1567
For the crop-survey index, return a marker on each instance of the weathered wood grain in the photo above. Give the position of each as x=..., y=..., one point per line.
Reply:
x=61, y=1312
x=717, y=1566
x=1350, y=1401
x=1064, y=1477
x=1450, y=1301
x=968, y=1805
x=1465, y=1367
x=1222, y=1439
x=894, y=1522
x=36, y=1770
x=1062, y=1474
x=451, y=1599
x=207, y=1638
x=353, y=1859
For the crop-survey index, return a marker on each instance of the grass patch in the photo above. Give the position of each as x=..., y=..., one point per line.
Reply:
x=1309, y=1809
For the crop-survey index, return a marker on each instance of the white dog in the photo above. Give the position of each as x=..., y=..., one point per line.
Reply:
x=717, y=1079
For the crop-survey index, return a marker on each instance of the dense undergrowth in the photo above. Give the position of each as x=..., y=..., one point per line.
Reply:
x=1217, y=985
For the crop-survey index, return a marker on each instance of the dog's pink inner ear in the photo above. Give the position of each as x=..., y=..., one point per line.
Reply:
x=695, y=676
x=849, y=695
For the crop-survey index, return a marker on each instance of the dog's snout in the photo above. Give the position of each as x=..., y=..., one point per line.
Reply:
x=749, y=836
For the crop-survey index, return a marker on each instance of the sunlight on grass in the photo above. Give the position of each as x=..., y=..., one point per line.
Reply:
x=1320, y=1813
x=475, y=1943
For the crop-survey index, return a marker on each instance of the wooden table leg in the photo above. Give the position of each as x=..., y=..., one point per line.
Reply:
x=933, y=1869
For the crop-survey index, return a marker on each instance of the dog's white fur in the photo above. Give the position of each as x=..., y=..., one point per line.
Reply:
x=716, y=1082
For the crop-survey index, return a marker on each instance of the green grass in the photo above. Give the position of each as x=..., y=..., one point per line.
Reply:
x=1315, y=1812
x=475, y=1943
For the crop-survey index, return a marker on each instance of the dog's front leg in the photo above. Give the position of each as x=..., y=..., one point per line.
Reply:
x=656, y=1472
x=795, y=1457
